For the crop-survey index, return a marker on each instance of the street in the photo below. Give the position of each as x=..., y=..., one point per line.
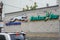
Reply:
x=42, y=38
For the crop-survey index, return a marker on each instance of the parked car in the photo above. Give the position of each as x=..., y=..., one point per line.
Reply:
x=7, y=36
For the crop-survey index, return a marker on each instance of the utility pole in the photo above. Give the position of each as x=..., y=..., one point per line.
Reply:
x=1, y=7
x=1, y=21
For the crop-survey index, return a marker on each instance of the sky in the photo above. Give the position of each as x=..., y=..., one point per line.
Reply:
x=18, y=5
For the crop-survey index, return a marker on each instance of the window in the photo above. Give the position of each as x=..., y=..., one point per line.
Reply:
x=14, y=37
x=2, y=37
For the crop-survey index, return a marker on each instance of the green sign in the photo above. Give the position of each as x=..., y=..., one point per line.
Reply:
x=47, y=16
x=37, y=18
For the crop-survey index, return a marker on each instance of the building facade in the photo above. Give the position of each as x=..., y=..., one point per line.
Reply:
x=37, y=26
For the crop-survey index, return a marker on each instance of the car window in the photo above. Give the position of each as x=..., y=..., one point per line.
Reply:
x=2, y=37
x=14, y=37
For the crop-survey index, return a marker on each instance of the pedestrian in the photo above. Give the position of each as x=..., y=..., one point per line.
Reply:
x=24, y=34
x=19, y=36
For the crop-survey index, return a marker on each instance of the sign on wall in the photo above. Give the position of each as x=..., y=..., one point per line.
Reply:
x=19, y=18
x=46, y=17
x=12, y=23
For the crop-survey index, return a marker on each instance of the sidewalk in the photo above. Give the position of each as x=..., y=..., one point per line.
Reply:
x=42, y=34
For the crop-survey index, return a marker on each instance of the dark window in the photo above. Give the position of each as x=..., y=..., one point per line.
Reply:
x=2, y=37
x=13, y=37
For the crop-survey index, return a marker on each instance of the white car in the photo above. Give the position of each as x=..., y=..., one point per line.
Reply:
x=8, y=36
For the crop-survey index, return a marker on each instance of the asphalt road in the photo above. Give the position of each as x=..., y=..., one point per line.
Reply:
x=41, y=38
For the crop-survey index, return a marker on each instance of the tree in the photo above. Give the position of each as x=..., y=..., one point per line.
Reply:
x=27, y=7
x=35, y=5
x=24, y=9
x=31, y=8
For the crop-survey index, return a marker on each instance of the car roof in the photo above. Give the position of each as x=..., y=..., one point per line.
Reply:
x=8, y=33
